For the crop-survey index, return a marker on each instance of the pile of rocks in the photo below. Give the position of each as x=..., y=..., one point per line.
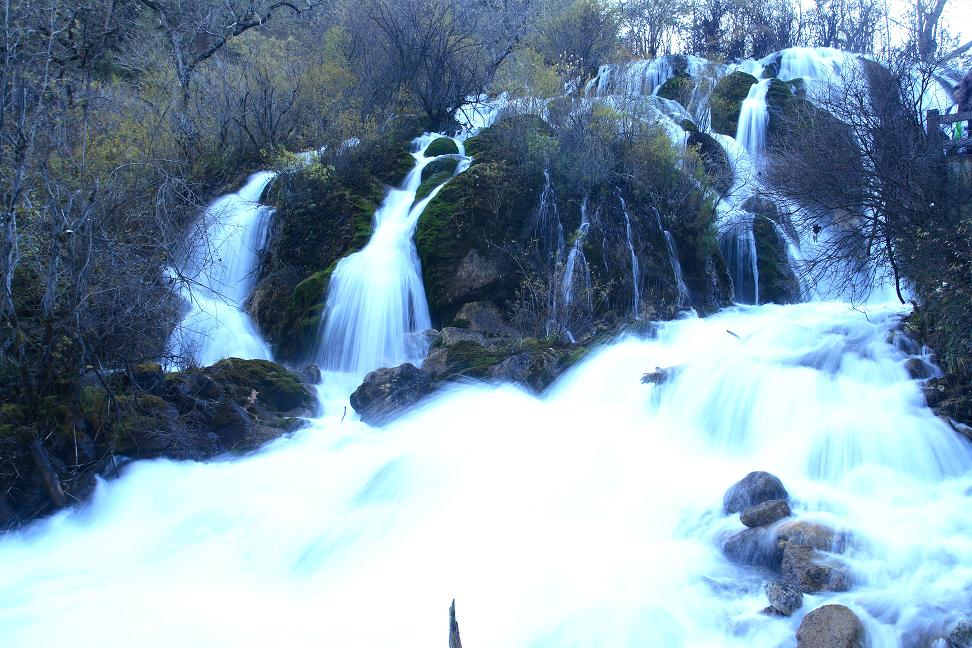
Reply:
x=801, y=552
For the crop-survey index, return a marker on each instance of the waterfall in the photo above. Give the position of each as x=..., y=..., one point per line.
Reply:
x=590, y=516
x=575, y=256
x=218, y=277
x=811, y=63
x=754, y=120
x=376, y=300
x=683, y=293
x=550, y=229
x=635, y=267
x=738, y=246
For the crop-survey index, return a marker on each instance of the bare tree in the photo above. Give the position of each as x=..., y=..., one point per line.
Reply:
x=195, y=31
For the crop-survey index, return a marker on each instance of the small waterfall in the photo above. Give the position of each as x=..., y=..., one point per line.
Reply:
x=376, y=300
x=754, y=120
x=683, y=294
x=738, y=246
x=811, y=63
x=635, y=267
x=576, y=264
x=219, y=275
x=550, y=230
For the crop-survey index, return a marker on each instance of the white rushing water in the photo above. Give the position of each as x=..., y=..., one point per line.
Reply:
x=635, y=266
x=219, y=276
x=754, y=121
x=591, y=516
x=376, y=301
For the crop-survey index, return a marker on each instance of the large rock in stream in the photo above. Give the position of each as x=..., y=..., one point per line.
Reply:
x=830, y=626
x=755, y=488
x=387, y=392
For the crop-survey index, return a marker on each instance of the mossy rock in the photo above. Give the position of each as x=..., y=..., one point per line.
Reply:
x=276, y=387
x=777, y=282
x=472, y=217
x=772, y=69
x=442, y=146
x=301, y=314
x=428, y=185
x=440, y=165
x=779, y=104
x=727, y=99
x=678, y=88
x=688, y=126
x=714, y=160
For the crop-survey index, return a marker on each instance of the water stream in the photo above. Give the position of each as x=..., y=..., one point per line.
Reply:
x=219, y=276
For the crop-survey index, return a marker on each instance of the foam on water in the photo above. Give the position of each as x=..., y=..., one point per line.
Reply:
x=588, y=517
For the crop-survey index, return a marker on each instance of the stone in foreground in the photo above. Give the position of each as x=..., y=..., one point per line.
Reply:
x=755, y=488
x=830, y=626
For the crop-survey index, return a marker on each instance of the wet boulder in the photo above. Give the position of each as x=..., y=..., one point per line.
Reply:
x=451, y=335
x=755, y=488
x=765, y=513
x=807, y=570
x=308, y=374
x=813, y=534
x=756, y=547
x=784, y=599
x=726, y=101
x=960, y=635
x=388, y=392
x=441, y=146
x=830, y=626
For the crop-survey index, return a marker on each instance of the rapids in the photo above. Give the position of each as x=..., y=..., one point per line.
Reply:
x=588, y=516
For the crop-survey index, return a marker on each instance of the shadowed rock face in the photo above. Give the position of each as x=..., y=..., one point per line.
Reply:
x=830, y=626
x=386, y=392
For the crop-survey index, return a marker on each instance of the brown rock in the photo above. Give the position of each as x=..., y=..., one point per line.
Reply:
x=807, y=570
x=830, y=626
x=765, y=513
x=816, y=535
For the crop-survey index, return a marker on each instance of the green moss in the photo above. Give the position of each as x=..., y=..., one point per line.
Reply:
x=726, y=101
x=442, y=146
x=301, y=314
x=441, y=165
x=273, y=384
x=429, y=185
x=777, y=283
x=689, y=126
x=678, y=88
x=714, y=160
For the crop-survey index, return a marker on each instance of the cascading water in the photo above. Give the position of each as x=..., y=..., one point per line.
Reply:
x=683, y=293
x=376, y=301
x=577, y=265
x=219, y=276
x=591, y=516
x=754, y=121
x=635, y=267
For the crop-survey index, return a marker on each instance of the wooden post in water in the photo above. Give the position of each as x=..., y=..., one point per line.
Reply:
x=453, y=627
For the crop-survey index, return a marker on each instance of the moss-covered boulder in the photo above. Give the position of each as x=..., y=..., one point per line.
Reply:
x=778, y=282
x=726, y=101
x=714, y=160
x=464, y=231
x=442, y=146
x=678, y=88
x=440, y=165
x=429, y=184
